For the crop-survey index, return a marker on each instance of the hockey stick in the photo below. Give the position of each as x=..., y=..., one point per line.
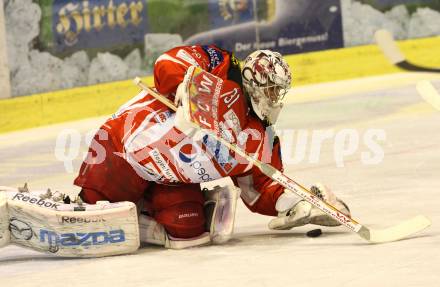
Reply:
x=394, y=233
x=428, y=92
x=389, y=48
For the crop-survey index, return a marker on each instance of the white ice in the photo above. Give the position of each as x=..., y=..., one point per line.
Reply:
x=404, y=184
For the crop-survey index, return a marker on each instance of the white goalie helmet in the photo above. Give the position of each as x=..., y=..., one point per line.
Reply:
x=266, y=78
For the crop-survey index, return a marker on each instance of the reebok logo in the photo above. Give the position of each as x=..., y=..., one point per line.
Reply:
x=73, y=220
x=36, y=201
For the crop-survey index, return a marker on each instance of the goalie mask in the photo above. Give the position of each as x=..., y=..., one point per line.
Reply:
x=266, y=78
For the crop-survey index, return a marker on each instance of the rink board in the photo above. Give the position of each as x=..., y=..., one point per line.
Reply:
x=97, y=100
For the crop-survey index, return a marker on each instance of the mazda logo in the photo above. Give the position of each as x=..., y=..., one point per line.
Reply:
x=20, y=230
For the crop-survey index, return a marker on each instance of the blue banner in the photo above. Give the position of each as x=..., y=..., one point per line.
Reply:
x=85, y=24
x=287, y=26
x=284, y=25
x=226, y=13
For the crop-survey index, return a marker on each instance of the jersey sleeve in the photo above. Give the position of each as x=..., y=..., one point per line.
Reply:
x=170, y=67
x=258, y=191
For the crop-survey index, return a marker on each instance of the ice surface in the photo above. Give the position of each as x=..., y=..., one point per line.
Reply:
x=107, y=67
x=134, y=63
x=22, y=26
x=81, y=63
x=360, y=21
x=158, y=43
x=425, y=22
x=404, y=184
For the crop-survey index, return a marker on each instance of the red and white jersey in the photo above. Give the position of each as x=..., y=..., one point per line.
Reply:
x=142, y=133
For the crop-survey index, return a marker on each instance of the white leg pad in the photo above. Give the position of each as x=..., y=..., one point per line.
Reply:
x=70, y=230
x=154, y=233
x=5, y=236
x=221, y=203
x=182, y=243
x=150, y=231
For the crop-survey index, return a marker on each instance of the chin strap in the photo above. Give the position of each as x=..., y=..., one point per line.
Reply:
x=264, y=112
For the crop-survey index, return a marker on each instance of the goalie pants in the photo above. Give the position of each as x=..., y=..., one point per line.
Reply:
x=178, y=208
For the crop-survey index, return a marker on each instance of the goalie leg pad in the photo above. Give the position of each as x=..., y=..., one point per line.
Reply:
x=150, y=231
x=221, y=202
x=71, y=230
x=5, y=235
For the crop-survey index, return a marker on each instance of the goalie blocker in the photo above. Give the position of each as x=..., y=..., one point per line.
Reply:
x=70, y=230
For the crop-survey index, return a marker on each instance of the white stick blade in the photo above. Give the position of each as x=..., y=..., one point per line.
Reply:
x=428, y=92
x=388, y=46
x=400, y=230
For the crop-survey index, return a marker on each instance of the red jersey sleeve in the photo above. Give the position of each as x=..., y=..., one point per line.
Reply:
x=170, y=67
x=258, y=191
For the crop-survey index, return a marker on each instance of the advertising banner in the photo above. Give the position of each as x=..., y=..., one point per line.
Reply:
x=282, y=25
x=288, y=26
x=72, y=25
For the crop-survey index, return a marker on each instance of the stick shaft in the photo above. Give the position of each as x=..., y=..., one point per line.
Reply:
x=269, y=170
x=161, y=98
